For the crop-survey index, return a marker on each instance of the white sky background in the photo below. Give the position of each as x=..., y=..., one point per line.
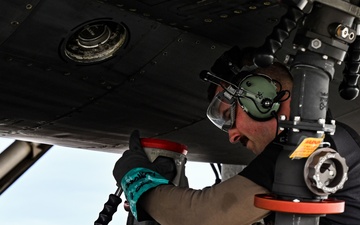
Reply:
x=70, y=186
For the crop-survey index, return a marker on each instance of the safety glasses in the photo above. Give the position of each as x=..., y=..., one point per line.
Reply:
x=222, y=109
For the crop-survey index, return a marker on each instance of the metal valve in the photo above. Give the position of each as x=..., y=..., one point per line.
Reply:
x=325, y=172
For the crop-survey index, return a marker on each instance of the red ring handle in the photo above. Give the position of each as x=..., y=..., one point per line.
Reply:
x=164, y=144
x=327, y=206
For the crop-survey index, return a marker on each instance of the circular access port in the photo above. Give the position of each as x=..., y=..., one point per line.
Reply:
x=95, y=42
x=325, y=172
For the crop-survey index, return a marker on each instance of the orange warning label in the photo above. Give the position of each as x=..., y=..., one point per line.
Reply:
x=306, y=147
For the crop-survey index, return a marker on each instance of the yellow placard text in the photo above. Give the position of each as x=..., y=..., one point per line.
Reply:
x=306, y=147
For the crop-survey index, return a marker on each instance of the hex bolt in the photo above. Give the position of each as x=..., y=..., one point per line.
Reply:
x=315, y=43
x=344, y=32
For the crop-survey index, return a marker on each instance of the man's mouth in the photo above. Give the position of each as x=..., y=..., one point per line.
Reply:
x=244, y=140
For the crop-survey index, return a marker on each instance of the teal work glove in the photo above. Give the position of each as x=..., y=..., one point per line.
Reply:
x=136, y=174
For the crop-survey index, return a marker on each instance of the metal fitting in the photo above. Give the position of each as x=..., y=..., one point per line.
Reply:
x=315, y=43
x=345, y=33
x=282, y=117
x=342, y=31
x=321, y=121
x=297, y=119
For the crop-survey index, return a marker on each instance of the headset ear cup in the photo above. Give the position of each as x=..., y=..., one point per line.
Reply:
x=258, y=97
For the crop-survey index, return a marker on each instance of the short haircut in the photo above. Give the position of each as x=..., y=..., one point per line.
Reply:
x=244, y=57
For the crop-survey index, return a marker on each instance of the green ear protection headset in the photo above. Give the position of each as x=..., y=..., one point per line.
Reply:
x=258, y=97
x=256, y=94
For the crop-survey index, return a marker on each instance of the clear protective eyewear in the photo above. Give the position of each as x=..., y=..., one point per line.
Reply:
x=222, y=109
x=256, y=94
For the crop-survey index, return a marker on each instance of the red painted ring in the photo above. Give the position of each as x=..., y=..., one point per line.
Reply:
x=164, y=144
x=327, y=206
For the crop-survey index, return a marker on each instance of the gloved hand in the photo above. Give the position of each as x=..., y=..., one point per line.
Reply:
x=136, y=174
